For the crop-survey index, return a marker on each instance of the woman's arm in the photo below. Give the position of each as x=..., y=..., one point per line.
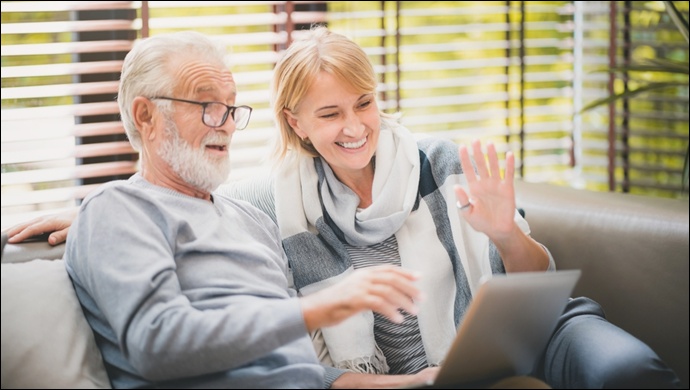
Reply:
x=351, y=380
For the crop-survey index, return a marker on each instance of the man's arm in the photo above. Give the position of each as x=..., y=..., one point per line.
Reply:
x=123, y=256
x=233, y=307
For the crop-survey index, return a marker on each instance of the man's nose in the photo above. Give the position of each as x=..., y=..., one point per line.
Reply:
x=229, y=126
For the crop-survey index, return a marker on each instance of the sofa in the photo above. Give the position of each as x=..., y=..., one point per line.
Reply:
x=632, y=251
x=633, y=254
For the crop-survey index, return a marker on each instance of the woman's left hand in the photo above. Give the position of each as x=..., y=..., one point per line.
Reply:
x=490, y=199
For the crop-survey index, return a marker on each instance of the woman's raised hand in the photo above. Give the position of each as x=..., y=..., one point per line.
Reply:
x=490, y=199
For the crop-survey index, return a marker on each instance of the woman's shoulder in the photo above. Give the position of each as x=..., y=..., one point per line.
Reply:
x=438, y=155
x=436, y=145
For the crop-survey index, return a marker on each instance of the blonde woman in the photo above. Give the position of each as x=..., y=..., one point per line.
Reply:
x=356, y=189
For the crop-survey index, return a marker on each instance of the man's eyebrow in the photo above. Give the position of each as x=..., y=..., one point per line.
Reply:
x=212, y=88
x=205, y=88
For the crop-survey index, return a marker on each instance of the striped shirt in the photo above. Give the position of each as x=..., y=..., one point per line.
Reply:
x=401, y=343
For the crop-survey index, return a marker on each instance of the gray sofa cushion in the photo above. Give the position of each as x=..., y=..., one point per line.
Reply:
x=46, y=341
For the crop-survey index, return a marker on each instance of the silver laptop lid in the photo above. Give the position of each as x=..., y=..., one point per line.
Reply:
x=507, y=326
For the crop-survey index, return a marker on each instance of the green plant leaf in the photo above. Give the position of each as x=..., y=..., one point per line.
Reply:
x=680, y=68
x=650, y=65
x=630, y=94
x=655, y=65
x=677, y=19
x=682, y=25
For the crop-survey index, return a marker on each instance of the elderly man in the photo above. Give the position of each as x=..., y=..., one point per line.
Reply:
x=185, y=288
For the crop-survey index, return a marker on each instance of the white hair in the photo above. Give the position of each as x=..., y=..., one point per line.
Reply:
x=147, y=70
x=191, y=164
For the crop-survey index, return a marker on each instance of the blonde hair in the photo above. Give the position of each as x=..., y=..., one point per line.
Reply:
x=318, y=50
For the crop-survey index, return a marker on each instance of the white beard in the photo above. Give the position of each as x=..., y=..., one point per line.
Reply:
x=193, y=165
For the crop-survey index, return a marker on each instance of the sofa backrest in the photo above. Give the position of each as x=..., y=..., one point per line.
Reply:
x=633, y=253
x=632, y=250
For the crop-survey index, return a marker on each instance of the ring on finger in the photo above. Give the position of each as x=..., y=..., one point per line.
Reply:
x=463, y=206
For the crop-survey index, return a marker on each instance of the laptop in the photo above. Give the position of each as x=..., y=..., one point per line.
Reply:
x=506, y=327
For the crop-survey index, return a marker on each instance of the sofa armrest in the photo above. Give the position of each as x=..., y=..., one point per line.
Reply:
x=27, y=251
x=46, y=340
x=633, y=253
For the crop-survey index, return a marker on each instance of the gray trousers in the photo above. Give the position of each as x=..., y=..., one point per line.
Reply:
x=588, y=352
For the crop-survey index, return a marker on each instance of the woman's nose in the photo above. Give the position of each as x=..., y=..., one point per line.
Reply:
x=353, y=126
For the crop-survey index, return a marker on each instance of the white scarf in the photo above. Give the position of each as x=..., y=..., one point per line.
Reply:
x=431, y=240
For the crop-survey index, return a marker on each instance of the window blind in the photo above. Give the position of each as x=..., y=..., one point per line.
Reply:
x=61, y=133
x=636, y=145
x=515, y=73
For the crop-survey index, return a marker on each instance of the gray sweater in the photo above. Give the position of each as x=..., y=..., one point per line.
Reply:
x=182, y=292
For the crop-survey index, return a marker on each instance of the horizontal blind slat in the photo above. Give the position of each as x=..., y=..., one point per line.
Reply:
x=66, y=69
x=66, y=48
x=75, y=151
x=57, y=6
x=63, y=194
x=69, y=173
x=40, y=91
x=84, y=109
x=51, y=131
x=71, y=26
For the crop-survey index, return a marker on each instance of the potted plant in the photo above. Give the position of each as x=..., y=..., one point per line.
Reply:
x=668, y=66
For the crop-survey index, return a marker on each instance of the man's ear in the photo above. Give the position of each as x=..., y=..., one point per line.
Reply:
x=143, y=112
x=292, y=121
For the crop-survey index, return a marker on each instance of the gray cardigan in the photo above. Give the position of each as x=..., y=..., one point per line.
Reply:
x=176, y=288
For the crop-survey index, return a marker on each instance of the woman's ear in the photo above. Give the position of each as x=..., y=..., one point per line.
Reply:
x=294, y=123
x=143, y=111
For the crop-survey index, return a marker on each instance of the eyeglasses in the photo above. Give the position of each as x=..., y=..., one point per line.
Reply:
x=214, y=114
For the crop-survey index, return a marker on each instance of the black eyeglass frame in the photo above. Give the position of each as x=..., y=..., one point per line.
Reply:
x=230, y=110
